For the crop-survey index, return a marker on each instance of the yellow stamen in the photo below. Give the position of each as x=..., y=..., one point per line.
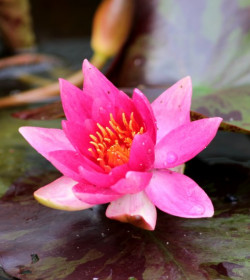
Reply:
x=104, y=133
x=111, y=145
x=93, y=138
x=100, y=136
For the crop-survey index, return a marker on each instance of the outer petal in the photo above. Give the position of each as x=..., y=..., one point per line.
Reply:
x=93, y=194
x=45, y=140
x=48, y=140
x=59, y=195
x=144, y=108
x=172, y=107
x=76, y=104
x=132, y=183
x=185, y=142
x=178, y=195
x=142, y=153
x=135, y=209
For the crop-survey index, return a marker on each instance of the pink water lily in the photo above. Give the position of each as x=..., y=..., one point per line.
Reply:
x=123, y=150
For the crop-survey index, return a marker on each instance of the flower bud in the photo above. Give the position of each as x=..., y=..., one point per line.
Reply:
x=111, y=26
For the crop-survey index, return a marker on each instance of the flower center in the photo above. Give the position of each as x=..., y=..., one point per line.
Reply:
x=111, y=145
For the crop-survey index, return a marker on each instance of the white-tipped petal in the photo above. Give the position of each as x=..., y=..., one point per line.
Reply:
x=59, y=195
x=135, y=209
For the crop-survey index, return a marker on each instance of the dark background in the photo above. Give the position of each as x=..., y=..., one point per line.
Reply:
x=64, y=18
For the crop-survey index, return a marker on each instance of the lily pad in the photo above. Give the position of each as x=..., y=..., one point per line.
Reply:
x=86, y=245
x=41, y=243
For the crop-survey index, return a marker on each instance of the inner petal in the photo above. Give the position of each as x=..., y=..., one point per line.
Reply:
x=111, y=144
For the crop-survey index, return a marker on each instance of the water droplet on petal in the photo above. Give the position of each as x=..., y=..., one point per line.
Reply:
x=197, y=210
x=171, y=157
x=143, y=143
x=101, y=110
x=190, y=191
x=149, y=151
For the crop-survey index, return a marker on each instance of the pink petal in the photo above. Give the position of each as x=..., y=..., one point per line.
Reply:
x=101, y=112
x=103, y=180
x=178, y=195
x=76, y=104
x=144, y=108
x=108, y=96
x=133, y=182
x=135, y=209
x=48, y=140
x=69, y=163
x=45, y=140
x=59, y=195
x=79, y=135
x=185, y=142
x=142, y=152
x=96, y=84
x=93, y=194
x=172, y=107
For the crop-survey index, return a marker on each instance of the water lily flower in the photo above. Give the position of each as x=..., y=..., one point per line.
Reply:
x=123, y=151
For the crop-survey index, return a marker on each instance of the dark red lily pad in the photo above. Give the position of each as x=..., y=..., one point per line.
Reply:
x=86, y=245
